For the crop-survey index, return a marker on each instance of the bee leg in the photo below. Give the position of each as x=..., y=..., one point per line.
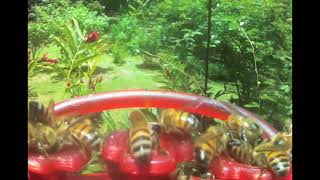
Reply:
x=227, y=155
x=243, y=134
x=230, y=134
x=218, y=162
x=207, y=176
x=82, y=146
x=263, y=170
x=42, y=149
x=174, y=174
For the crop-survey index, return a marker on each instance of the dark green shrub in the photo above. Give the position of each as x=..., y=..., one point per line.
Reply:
x=49, y=17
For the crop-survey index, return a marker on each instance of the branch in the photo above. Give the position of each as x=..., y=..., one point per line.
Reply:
x=255, y=68
x=194, y=80
x=208, y=47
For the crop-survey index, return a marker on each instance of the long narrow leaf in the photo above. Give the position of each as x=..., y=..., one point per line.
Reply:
x=64, y=47
x=85, y=59
x=77, y=29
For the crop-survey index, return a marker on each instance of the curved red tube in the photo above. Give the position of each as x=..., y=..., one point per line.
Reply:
x=160, y=99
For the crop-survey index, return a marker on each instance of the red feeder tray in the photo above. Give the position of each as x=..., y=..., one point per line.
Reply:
x=123, y=163
x=69, y=160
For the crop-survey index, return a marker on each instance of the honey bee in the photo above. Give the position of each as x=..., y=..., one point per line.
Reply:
x=84, y=130
x=244, y=129
x=189, y=170
x=47, y=133
x=274, y=154
x=142, y=138
x=206, y=122
x=210, y=145
x=37, y=112
x=179, y=122
x=240, y=150
x=207, y=147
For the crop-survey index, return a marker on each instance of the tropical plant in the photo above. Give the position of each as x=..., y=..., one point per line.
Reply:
x=34, y=61
x=78, y=58
x=47, y=17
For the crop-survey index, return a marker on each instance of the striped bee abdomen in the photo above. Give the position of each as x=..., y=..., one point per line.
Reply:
x=174, y=120
x=241, y=151
x=279, y=162
x=85, y=132
x=189, y=122
x=140, y=144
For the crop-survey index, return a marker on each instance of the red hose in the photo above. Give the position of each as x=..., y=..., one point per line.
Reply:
x=160, y=99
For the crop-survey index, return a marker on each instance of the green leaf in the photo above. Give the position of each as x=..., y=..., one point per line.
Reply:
x=77, y=28
x=85, y=59
x=252, y=105
x=64, y=47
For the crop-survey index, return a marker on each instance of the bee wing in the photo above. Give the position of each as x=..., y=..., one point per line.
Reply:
x=50, y=116
x=79, y=143
x=78, y=120
x=95, y=116
x=267, y=146
x=138, y=119
x=149, y=115
x=35, y=111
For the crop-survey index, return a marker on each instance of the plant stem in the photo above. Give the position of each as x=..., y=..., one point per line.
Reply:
x=208, y=48
x=74, y=59
x=255, y=69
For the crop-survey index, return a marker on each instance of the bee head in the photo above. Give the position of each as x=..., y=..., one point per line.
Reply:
x=156, y=128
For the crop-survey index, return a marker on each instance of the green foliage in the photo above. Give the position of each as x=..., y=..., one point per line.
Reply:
x=250, y=46
x=108, y=123
x=48, y=17
x=31, y=92
x=34, y=58
x=267, y=25
x=178, y=78
x=78, y=60
x=78, y=57
x=119, y=52
x=94, y=166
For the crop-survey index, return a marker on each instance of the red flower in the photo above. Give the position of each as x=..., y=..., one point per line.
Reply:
x=44, y=58
x=93, y=36
x=53, y=61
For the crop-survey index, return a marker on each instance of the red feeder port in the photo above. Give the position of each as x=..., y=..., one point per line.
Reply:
x=181, y=147
x=115, y=152
x=68, y=160
x=228, y=169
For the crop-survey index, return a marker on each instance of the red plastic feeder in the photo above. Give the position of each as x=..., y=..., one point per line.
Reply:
x=115, y=148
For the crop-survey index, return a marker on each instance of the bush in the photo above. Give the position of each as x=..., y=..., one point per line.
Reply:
x=50, y=16
x=119, y=52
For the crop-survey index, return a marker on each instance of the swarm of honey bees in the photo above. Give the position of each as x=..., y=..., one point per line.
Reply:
x=240, y=138
x=49, y=134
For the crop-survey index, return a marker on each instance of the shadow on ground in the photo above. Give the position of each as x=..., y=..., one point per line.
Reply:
x=101, y=70
x=149, y=66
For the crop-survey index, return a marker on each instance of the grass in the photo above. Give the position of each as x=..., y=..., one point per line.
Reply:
x=133, y=74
